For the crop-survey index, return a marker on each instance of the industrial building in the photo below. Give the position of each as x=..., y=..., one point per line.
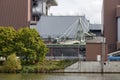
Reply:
x=111, y=22
x=23, y=13
x=61, y=26
x=96, y=29
x=64, y=35
x=111, y=32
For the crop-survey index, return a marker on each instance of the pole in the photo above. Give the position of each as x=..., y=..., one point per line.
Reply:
x=42, y=7
x=103, y=55
x=78, y=58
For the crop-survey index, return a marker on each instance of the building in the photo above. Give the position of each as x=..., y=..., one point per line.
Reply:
x=62, y=26
x=96, y=47
x=96, y=29
x=111, y=22
x=111, y=30
x=60, y=35
x=23, y=13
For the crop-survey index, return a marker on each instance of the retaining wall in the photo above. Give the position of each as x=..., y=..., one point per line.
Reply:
x=94, y=67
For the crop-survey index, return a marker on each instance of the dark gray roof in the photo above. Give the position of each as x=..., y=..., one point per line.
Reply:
x=55, y=26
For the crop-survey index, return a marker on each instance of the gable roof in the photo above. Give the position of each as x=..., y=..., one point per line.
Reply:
x=55, y=26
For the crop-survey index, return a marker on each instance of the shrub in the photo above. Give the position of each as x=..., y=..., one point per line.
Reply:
x=12, y=64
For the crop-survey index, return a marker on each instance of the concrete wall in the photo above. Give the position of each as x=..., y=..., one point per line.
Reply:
x=112, y=67
x=91, y=67
x=14, y=13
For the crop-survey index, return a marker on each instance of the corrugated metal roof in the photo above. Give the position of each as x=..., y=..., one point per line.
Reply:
x=95, y=27
x=55, y=26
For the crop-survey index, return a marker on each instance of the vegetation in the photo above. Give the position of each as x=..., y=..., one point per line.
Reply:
x=25, y=51
x=26, y=43
x=12, y=64
x=7, y=36
x=48, y=66
x=29, y=46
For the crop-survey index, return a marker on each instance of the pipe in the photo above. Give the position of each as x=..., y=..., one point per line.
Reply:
x=37, y=8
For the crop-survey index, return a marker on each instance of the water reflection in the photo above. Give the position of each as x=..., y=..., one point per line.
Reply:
x=62, y=76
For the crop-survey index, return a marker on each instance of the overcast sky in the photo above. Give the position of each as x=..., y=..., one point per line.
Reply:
x=90, y=8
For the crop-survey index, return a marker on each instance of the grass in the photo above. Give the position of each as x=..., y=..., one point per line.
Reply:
x=47, y=66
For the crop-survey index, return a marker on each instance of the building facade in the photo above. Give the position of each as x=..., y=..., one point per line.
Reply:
x=111, y=31
x=22, y=13
x=111, y=23
x=96, y=29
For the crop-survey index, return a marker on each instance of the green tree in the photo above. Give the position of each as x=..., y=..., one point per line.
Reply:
x=26, y=43
x=41, y=51
x=30, y=46
x=7, y=35
x=12, y=64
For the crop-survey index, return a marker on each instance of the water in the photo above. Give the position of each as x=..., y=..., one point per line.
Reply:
x=60, y=76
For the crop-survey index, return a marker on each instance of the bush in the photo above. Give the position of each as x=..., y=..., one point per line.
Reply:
x=65, y=63
x=12, y=64
x=1, y=69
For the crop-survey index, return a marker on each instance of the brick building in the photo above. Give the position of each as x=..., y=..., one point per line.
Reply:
x=111, y=31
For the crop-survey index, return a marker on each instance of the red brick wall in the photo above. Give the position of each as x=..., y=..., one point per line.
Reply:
x=94, y=49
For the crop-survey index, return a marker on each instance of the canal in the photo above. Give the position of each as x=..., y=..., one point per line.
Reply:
x=60, y=76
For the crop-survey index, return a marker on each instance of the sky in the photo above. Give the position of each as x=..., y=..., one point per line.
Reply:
x=90, y=8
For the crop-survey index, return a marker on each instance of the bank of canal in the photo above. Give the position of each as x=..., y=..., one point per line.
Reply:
x=59, y=76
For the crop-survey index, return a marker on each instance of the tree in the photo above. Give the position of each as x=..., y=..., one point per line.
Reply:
x=7, y=35
x=41, y=51
x=26, y=43
x=30, y=46
x=12, y=64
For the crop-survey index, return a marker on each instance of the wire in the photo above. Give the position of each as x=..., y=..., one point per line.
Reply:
x=68, y=29
x=80, y=24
